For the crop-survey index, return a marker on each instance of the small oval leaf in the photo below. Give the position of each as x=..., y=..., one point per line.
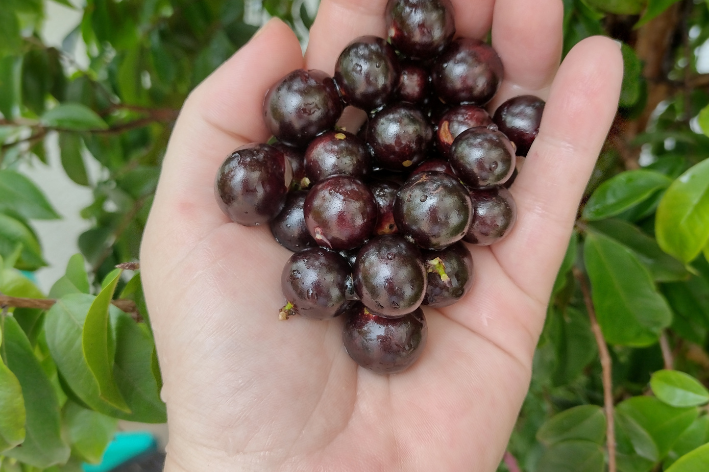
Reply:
x=572, y=456
x=585, y=422
x=624, y=191
x=678, y=389
x=695, y=461
x=73, y=117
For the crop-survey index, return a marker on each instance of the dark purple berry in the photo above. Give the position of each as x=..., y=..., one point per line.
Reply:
x=519, y=118
x=468, y=71
x=340, y=212
x=336, y=153
x=296, y=159
x=252, y=183
x=455, y=121
x=482, y=157
x=434, y=165
x=450, y=275
x=385, y=195
x=314, y=283
x=420, y=29
x=399, y=137
x=384, y=345
x=389, y=276
x=288, y=227
x=302, y=105
x=495, y=215
x=413, y=84
x=434, y=109
x=367, y=72
x=433, y=209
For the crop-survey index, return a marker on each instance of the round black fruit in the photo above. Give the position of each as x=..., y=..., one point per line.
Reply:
x=314, y=282
x=495, y=216
x=252, y=183
x=455, y=121
x=289, y=228
x=482, y=157
x=413, y=84
x=336, y=153
x=384, y=345
x=433, y=209
x=519, y=118
x=389, y=276
x=450, y=275
x=420, y=29
x=367, y=72
x=468, y=71
x=302, y=105
x=340, y=212
x=399, y=137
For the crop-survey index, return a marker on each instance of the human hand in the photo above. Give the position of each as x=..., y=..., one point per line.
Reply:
x=245, y=391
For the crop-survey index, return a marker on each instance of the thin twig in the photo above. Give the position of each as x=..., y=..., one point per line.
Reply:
x=511, y=462
x=129, y=265
x=666, y=351
x=606, y=365
x=127, y=306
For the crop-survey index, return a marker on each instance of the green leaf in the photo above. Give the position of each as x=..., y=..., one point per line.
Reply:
x=695, y=461
x=632, y=87
x=695, y=436
x=94, y=340
x=10, y=39
x=635, y=443
x=623, y=192
x=12, y=409
x=678, y=389
x=704, y=120
x=630, y=311
x=66, y=3
x=72, y=159
x=663, y=423
x=585, y=422
x=574, y=344
x=89, y=431
x=662, y=266
x=36, y=79
x=76, y=273
x=20, y=194
x=74, y=117
x=43, y=445
x=134, y=371
x=572, y=456
x=682, y=221
x=619, y=7
x=690, y=302
x=10, y=84
x=567, y=263
x=134, y=291
x=94, y=242
x=12, y=232
x=654, y=9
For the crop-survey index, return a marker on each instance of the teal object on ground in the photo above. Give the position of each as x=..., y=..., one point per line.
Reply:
x=124, y=447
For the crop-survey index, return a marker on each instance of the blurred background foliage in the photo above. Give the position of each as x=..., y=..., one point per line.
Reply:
x=626, y=332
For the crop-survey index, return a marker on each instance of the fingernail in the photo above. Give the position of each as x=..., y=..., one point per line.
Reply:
x=619, y=43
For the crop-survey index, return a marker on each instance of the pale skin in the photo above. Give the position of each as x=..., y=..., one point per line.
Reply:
x=246, y=391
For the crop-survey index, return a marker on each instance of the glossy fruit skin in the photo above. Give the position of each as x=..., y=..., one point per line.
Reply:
x=336, y=153
x=340, y=212
x=367, y=72
x=297, y=163
x=314, y=282
x=482, y=157
x=420, y=29
x=399, y=137
x=301, y=106
x=389, y=276
x=413, y=84
x=495, y=216
x=385, y=195
x=456, y=120
x=468, y=71
x=288, y=227
x=384, y=345
x=434, y=165
x=434, y=209
x=519, y=118
x=458, y=264
x=252, y=183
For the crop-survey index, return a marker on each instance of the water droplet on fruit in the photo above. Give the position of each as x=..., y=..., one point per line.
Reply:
x=423, y=198
x=295, y=273
x=492, y=127
x=493, y=165
x=395, y=304
x=390, y=256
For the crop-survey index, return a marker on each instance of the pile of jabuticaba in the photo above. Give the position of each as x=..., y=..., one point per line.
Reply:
x=376, y=219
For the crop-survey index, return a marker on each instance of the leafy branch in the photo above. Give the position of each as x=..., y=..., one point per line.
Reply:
x=127, y=306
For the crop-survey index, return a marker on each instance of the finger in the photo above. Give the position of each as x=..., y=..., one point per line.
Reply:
x=221, y=114
x=582, y=103
x=473, y=17
x=528, y=36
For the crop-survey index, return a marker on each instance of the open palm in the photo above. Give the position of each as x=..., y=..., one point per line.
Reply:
x=248, y=392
